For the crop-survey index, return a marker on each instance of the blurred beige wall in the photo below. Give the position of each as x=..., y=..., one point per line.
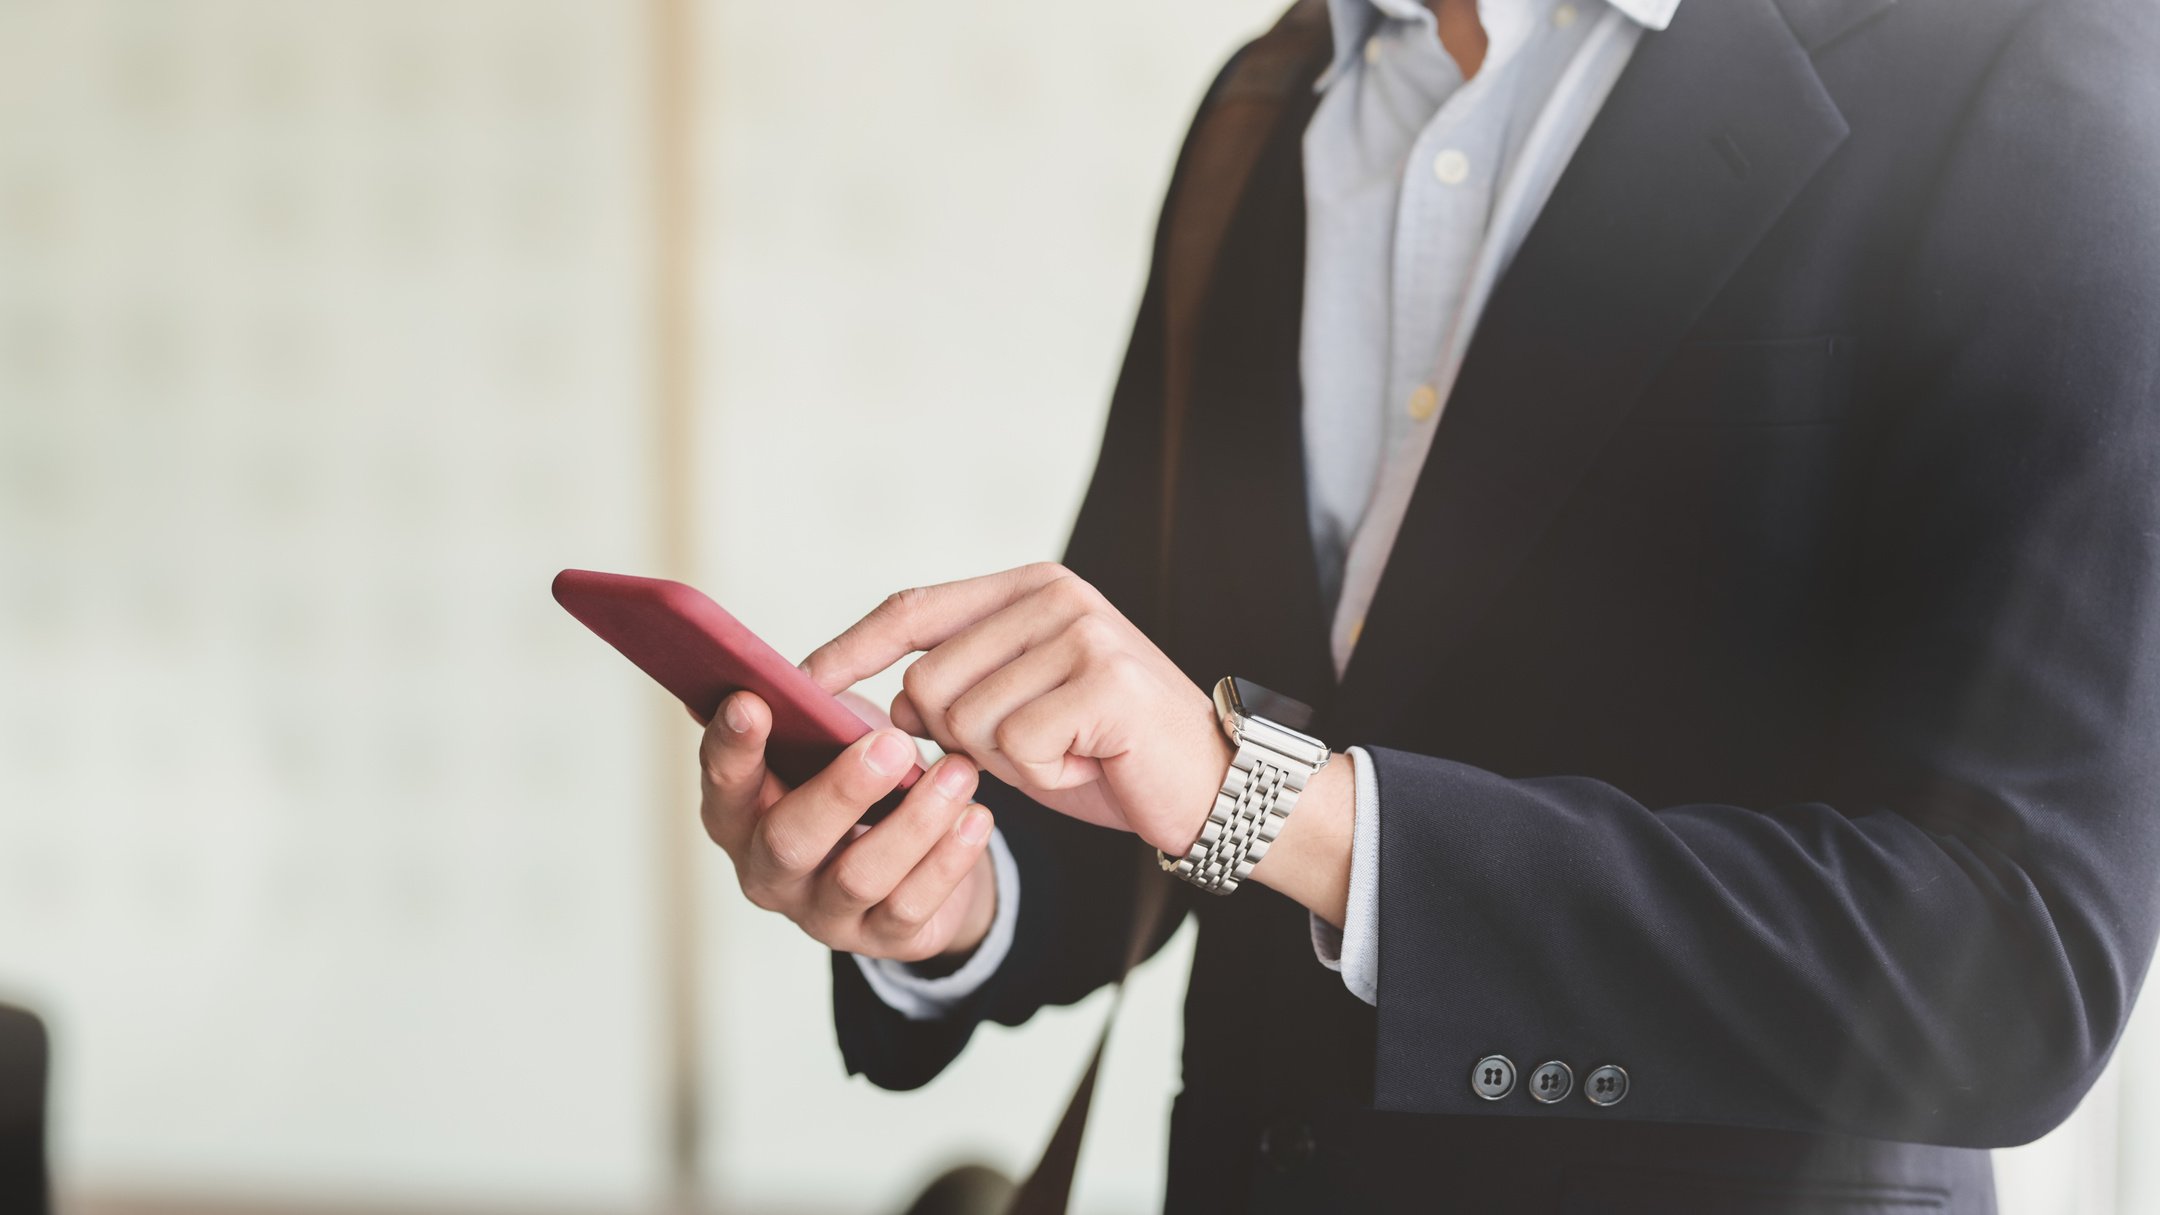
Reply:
x=322, y=840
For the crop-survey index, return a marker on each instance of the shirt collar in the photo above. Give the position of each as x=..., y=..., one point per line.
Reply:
x=1649, y=14
x=1352, y=22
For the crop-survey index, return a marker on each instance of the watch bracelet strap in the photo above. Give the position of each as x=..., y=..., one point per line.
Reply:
x=1256, y=796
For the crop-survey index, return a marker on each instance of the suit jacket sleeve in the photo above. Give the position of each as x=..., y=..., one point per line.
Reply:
x=1946, y=947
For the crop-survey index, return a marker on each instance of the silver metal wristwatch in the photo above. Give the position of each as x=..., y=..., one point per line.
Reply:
x=1273, y=762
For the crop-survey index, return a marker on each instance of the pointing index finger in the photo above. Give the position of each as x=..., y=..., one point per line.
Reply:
x=914, y=620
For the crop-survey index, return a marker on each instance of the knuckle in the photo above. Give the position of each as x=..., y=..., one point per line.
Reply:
x=1009, y=738
x=907, y=913
x=714, y=785
x=785, y=853
x=964, y=721
x=854, y=785
x=1094, y=633
x=900, y=603
x=921, y=683
x=1075, y=590
x=853, y=884
x=1125, y=669
x=760, y=895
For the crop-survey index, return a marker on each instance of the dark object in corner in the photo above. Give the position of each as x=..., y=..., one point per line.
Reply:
x=23, y=1066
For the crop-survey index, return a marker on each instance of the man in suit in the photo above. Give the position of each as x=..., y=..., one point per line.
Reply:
x=1699, y=464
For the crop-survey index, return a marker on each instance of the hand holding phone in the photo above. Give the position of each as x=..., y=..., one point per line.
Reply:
x=793, y=780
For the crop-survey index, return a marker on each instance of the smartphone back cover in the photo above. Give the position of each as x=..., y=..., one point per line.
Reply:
x=700, y=653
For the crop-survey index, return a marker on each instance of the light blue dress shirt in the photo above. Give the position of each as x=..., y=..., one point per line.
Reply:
x=1419, y=188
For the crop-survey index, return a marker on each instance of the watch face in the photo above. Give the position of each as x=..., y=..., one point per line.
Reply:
x=1253, y=700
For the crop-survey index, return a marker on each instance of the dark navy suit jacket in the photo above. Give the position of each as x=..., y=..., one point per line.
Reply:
x=1764, y=690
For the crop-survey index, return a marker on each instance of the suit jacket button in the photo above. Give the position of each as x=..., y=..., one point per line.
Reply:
x=1287, y=1145
x=1606, y=1086
x=1493, y=1077
x=1552, y=1082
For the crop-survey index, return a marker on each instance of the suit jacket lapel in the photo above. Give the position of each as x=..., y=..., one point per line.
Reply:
x=1716, y=124
x=1245, y=595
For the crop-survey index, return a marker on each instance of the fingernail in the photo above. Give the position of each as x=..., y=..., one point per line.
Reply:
x=952, y=777
x=738, y=719
x=886, y=754
x=975, y=824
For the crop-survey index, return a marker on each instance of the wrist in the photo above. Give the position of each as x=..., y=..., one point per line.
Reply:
x=1272, y=764
x=1310, y=860
x=1177, y=835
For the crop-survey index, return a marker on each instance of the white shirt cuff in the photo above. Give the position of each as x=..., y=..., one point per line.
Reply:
x=1354, y=949
x=919, y=998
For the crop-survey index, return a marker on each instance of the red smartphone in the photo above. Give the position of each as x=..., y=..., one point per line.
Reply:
x=701, y=654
